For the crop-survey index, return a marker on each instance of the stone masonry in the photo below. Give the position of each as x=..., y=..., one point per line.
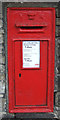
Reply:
x=2, y=65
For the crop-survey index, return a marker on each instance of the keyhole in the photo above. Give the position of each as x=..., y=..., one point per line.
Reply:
x=19, y=74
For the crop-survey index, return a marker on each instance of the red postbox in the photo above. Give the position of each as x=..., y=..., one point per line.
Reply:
x=31, y=43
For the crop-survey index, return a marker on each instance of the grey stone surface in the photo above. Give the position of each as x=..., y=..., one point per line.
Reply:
x=1, y=48
x=58, y=108
x=29, y=0
x=55, y=84
x=0, y=7
x=2, y=68
x=0, y=104
x=2, y=87
x=1, y=31
x=56, y=31
x=1, y=38
x=2, y=76
x=56, y=13
x=7, y=115
x=57, y=21
x=58, y=114
x=57, y=101
x=2, y=59
x=1, y=24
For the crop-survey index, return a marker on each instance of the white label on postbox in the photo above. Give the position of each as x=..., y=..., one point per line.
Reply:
x=31, y=54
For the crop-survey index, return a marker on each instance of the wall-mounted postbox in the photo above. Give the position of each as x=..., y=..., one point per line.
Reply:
x=31, y=42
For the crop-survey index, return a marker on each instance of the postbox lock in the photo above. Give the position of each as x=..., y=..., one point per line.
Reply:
x=19, y=74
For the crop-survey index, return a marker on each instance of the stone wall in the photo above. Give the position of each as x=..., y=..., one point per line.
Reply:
x=2, y=66
x=3, y=58
x=57, y=53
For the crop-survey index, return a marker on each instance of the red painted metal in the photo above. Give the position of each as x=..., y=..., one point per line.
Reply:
x=33, y=91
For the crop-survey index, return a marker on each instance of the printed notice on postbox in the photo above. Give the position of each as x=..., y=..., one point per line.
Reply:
x=31, y=54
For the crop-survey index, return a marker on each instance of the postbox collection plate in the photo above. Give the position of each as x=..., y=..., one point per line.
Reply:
x=31, y=54
x=31, y=43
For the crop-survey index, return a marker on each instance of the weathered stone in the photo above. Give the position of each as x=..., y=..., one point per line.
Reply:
x=1, y=38
x=0, y=104
x=2, y=87
x=0, y=7
x=57, y=21
x=56, y=31
x=1, y=16
x=57, y=101
x=2, y=76
x=2, y=68
x=57, y=108
x=1, y=48
x=29, y=0
x=56, y=12
x=1, y=31
x=2, y=59
x=58, y=82
x=1, y=95
x=59, y=9
x=3, y=104
x=1, y=115
x=1, y=24
x=56, y=70
x=7, y=115
x=55, y=85
x=0, y=12
x=58, y=67
x=58, y=114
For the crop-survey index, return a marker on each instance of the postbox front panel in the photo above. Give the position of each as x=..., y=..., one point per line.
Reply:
x=31, y=83
x=31, y=38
